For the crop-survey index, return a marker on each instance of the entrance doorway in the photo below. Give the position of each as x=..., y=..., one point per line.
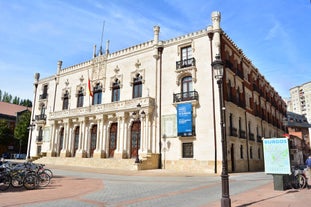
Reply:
x=93, y=140
x=113, y=139
x=135, y=138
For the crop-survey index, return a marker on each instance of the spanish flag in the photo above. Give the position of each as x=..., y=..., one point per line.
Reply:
x=89, y=87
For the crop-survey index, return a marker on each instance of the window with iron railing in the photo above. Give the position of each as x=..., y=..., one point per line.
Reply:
x=186, y=96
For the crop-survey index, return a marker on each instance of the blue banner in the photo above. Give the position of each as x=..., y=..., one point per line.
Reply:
x=184, y=119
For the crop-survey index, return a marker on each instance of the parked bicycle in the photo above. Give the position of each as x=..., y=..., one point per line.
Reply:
x=26, y=174
x=297, y=179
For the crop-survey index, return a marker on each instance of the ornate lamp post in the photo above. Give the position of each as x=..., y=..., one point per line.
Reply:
x=31, y=127
x=136, y=116
x=218, y=68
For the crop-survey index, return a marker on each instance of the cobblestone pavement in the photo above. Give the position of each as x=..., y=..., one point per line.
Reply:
x=116, y=188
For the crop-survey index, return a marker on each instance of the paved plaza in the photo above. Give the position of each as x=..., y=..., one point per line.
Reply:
x=76, y=187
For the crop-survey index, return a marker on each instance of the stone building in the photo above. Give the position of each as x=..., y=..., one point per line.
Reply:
x=156, y=105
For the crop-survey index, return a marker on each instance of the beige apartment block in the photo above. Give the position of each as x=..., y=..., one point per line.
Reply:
x=157, y=103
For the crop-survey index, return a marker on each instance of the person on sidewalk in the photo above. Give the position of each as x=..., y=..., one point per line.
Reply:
x=308, y=171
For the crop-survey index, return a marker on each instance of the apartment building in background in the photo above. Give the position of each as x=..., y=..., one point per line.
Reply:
x=157, y=102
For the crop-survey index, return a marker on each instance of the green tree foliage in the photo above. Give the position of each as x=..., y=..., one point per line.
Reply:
x=5, y=132
x=21, y=129
x=6, y=97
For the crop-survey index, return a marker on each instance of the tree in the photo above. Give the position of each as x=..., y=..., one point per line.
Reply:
x=21, y=129
x=6, y=133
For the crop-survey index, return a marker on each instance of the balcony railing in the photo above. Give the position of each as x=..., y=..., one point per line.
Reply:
x=186, y=96
x=43, y=96
x=233, y=132
x=185, y=63
x=40, y=117
x=39, y=138
x=242, y=134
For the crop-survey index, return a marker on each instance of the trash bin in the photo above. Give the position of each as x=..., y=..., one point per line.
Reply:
x=280, y=181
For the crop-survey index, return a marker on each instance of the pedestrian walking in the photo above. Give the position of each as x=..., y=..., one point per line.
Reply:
x=308, y=171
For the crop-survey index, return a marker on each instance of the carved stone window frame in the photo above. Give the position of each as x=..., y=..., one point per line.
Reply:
x=113, y=80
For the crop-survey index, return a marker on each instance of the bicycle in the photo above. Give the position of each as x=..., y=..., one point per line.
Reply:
x=297, y=179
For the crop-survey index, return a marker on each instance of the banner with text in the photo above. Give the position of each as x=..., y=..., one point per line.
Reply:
x=184, y=119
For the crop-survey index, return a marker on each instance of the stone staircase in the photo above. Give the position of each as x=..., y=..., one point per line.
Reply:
x=148, y=162
x=122, y=164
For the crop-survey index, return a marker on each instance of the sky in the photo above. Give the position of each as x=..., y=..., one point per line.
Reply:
x=34, y=34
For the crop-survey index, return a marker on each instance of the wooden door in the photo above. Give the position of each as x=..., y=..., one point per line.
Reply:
x=93, y=140
x=113, y=139
x=135, y=138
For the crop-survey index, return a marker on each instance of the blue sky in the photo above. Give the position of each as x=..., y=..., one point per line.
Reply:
x=34, y=34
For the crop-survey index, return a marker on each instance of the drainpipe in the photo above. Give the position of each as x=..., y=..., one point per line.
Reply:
x=210, y=35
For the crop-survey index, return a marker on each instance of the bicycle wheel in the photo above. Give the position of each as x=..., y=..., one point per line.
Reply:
x=44, y=179
x=17, y=181
x=5, y=181
x=49, y=172
x=30, y=181
x=302, y=181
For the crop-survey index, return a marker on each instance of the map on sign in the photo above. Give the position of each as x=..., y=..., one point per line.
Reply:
x=276, y=156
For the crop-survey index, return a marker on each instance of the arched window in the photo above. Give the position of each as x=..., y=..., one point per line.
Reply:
x=65, y=100
x=97, y=94
x=115, y=91
x=186, y=87
x=137, y=86
x=80, y=98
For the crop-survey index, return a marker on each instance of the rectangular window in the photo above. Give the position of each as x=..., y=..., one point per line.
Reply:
x=187, y=150
x=80, y=101
x=115, y=94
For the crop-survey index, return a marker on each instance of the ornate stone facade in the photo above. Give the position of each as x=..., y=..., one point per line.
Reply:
x=135, y=108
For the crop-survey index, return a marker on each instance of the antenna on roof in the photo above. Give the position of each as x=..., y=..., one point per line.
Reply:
x=101, y=40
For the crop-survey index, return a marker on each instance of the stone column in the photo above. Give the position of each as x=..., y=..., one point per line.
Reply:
x=81, y=152
x=98, y=153
x=50, y=152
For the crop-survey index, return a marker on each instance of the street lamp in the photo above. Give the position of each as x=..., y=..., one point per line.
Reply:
x=136, y=116
x=31, y=127
x=218, y=68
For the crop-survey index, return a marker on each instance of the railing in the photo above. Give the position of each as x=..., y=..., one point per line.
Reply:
x=233, y=132
x=242, y=134
x=40, y=117
x=186, y=96
x=43, y=96
x=251, y=136
x=185, y=63
x=39, y=138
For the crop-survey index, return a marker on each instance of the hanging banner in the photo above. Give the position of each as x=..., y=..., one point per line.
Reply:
x=184, y=119
x=276, y=156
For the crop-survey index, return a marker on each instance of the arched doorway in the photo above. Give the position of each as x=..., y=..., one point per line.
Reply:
x=76, y=141
x=61, y=140
x=113, y=139
x=135, y=138
x=93, y=140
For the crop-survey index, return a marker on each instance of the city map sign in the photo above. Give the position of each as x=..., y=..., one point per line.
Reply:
x=276, y=156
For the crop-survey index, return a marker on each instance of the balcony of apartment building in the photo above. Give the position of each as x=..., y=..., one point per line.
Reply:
x=40, y=119
x=185, y=63
x=43, y=96
x=186, y=96
x=235, y=97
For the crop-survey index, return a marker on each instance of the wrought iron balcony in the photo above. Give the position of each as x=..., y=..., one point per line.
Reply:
x=39, y=138
x=43, y=96
x=41, y=117
x=186, y=96
x=185, y=63
x=233, y=132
